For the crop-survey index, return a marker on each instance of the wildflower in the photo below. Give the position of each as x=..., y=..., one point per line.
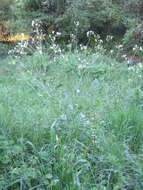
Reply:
x=124, y=56
x=135, y=47
x=76, y=23
x=83, y=47
x=89, y=33
x=111, y=51
x=77, y=91
x=120, y=46
x=130, y=69
x=101, y=41
x=109, y=38
x=58, y=34
x=33, y=23
x=140, y=65
x=128, y=61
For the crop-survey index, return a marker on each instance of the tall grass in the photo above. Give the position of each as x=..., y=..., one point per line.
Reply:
x=72, y=123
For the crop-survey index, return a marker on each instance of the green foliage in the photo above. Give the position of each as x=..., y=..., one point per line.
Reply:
x=74, y=122
x=4, y=10
x=92, y=14
x=133, y=36
x=105, y=17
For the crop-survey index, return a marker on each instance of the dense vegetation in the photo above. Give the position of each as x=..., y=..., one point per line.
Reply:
x=76, y=125
x=123, y=19
x=71, y=114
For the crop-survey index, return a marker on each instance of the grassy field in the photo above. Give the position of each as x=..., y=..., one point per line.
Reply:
x=75, y=123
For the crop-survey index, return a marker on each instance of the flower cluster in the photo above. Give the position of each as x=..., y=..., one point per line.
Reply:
x=34, y=43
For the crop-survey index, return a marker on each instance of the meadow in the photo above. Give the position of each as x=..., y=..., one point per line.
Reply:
x=75, y=122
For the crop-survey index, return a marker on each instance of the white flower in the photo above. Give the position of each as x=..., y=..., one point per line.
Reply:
x=89, y=33
x=101, y=41
x=77, y=91
x=135, y=47
x=58, y=34
x=76, y=23
x=33, y=22
x=130, y=68
x=84, y=47
x=124, y=56
x=140, y=65
x=109, y=38
x=120, y=46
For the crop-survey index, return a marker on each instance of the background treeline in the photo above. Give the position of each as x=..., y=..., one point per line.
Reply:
x=120, y=18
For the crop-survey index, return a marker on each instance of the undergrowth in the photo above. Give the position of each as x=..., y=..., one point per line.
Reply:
x=72, y=123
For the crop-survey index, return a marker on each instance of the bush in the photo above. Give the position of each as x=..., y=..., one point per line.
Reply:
x=104, y=17
x=93, y=14
x=134, y=36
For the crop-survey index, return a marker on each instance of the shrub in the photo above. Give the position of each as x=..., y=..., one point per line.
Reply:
x=104, y=17
x=91, y=15
x=134, y=36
